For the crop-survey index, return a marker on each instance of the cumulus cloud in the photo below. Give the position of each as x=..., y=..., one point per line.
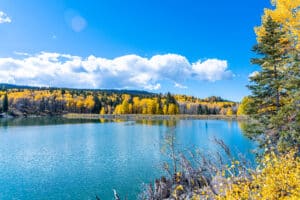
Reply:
x=129, y=71
x=211, y=70
x=4, y=18
x=253, y=74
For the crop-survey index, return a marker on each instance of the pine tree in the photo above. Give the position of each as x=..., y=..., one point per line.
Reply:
x=288, y=118
x=97, y=105
x=199, y=110
x=267, y=83
x=159, y=109
x=5, y=103
x=266, y=88
x=170, y=99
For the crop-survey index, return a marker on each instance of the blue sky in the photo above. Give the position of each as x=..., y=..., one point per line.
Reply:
x=192, y=47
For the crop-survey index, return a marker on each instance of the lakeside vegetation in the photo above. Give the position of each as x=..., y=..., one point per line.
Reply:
x=201, y=175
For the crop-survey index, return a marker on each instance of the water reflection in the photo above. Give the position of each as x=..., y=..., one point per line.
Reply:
x=167, y=123
x=81, y=158
x=42, y=121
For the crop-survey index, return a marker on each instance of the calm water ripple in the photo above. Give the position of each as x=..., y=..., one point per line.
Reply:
x=76, y=159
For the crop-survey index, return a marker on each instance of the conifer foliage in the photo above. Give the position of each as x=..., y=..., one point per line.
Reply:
x=275, y=99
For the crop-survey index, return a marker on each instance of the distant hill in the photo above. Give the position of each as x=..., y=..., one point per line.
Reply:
x=107, y=91
x=12, y=86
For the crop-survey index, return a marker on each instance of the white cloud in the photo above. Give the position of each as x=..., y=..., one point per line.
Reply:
x=4, y=18
x=253, y=74
x=21, y=53
x=129, y=71
x=178, y=85
x=211, y=70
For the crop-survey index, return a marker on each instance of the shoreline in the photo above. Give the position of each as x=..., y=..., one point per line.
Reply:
x=132, y=116
x=151, y=117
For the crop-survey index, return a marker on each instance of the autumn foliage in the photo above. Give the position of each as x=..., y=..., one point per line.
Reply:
x=59, y=101
x=277, y=177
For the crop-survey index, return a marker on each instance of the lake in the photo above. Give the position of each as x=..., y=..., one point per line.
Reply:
x=55, y=158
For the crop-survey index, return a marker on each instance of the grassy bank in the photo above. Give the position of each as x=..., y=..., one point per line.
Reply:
x=151, y=117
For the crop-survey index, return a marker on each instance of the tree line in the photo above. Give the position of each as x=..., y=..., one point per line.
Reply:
x=45, y=101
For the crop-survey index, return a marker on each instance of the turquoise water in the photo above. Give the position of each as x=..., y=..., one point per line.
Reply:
x=78, y=159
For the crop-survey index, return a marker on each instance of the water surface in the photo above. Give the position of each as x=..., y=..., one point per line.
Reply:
x=53, y=158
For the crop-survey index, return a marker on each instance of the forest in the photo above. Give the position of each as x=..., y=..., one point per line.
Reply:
x=23, y=101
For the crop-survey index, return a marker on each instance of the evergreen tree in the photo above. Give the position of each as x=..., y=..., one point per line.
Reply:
x=267, y=85
x=5, y=103
x=288, y=117
x=170, y=99
x=159, y=109
x=266, y=89
x=199, y=110
x=97, y=105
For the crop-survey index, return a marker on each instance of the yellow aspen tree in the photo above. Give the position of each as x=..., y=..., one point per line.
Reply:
x=125, y=107
x=165, y=110
x=151, y=106
x=229, y=112
x=172, y=109
x=89, y=102
x=80, y=104
x=287, y=13
x=130, y=107
x=102, y=111
x=244, y=106
x=135, y=106
x=144, y=110
x=118, y=110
